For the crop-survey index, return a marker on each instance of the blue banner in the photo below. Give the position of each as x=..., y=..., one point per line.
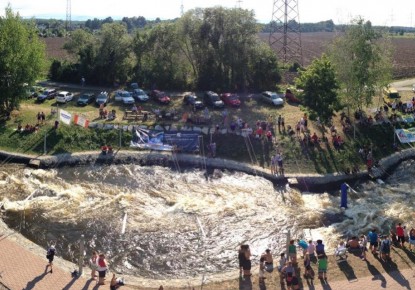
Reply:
x=183, y=141
x=179, y=141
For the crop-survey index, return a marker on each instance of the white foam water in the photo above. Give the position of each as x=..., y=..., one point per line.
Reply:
x=162, y=236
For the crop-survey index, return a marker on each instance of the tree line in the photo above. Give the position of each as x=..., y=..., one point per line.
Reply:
x=213, y=48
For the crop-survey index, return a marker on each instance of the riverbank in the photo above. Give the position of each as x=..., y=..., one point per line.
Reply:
x=304, y=182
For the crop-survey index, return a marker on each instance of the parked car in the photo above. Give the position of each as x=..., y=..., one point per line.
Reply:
x=47, y=95
x=290, y=97
x=212, y=99
x=34, y=92
x=272, y=98
x=160, y=97
x=139, y=95
x=194, y=101
x=134, y=86
x=124, y=96
x=86, y=99
x=102, y=99
x=230, y=99
x=64, y=97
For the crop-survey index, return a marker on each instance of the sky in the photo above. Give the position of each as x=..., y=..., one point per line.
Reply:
x=379, y=12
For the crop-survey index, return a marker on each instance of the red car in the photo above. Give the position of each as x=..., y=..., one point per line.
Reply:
x=160, y=97
x=230, y=99
x=289, y=96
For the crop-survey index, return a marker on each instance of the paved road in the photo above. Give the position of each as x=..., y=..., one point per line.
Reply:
x=404, y=85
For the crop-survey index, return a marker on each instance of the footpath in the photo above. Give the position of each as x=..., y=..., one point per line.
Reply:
x=23, y=268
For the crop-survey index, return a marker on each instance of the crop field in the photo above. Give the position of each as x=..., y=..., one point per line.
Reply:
x=313, y=45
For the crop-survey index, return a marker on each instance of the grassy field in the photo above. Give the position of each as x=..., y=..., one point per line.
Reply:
x=298, y=156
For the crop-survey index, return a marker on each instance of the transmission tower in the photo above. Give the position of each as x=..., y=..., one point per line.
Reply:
x=239, y=3
x=285, y=34
x=181, y=9
x=68, y=23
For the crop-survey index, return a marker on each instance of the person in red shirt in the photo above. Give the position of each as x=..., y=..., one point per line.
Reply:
x=401, y=234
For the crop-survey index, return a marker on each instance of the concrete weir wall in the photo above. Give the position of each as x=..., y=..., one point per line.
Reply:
x=307, y=182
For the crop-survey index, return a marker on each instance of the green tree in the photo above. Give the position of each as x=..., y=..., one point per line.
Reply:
x=222, y=47
x=362, y=60
x=114, y=60
x=320, y=88
x=22, y=58
x=159, y=62
x=84, y=45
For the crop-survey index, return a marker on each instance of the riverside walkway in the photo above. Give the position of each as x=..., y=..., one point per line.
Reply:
x=24, y=268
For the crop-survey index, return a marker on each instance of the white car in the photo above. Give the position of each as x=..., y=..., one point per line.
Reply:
x=272, y=98
x=64, y=97
x=124, y=96
x=413, y=88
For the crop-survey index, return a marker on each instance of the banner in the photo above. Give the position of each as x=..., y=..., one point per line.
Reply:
x=165, y=141
x=81, y=121
x=65, y=117
x=183, y=141
x=405, y=135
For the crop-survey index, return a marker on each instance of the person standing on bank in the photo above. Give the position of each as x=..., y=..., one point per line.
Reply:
x=93, y=262
x=50, y=255
x=102, y=269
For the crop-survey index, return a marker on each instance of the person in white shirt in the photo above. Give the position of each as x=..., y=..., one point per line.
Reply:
x=311, y=250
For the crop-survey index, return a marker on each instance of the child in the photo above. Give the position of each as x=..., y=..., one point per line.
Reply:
x=117, y=282
x=292, y=252
x=281, y=265
x=308, y=272
x=262, y=285
x=322, y=266
x=50, y=255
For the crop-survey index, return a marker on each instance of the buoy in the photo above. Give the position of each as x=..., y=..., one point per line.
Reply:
x=343, y=199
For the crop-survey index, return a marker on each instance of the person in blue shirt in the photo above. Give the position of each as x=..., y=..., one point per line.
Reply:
x=373, y=240
x=303, y=245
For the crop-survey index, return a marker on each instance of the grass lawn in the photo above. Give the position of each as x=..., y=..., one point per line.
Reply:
x=298, y=157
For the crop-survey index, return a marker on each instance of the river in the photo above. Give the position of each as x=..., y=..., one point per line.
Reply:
x=157, y=223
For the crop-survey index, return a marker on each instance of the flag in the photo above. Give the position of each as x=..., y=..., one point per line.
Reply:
x=65, y=117
x=81, y=121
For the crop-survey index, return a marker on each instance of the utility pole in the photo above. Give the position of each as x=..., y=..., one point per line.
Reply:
x=68, y=23
x=181, y=9
x=81, y=255
x=285, y=33
x=44, y=144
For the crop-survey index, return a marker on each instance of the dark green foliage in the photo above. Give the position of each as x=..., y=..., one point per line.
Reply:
x=212, y=48
x=320, y=88
x=22, y=59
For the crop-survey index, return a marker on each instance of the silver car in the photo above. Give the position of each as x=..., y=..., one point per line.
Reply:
x=272, y=98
